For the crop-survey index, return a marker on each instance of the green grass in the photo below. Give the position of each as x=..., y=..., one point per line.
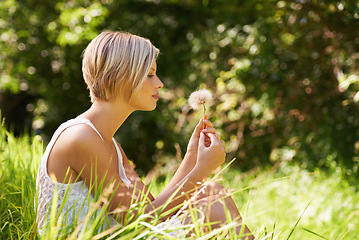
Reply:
x=286, y=203
x=18, y=167
x=325, y=205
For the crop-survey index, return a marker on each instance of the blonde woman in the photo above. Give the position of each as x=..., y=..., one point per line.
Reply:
x=120, y=72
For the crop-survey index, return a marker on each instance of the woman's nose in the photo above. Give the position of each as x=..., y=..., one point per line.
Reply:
x=159, y=83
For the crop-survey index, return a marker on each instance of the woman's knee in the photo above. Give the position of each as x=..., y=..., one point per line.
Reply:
x=213, y=189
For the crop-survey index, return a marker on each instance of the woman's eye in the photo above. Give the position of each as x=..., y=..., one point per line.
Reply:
x=150, y=75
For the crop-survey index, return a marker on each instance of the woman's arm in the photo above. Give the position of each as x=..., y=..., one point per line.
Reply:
x=210, y=155
x=97, y=163
x=190, y=158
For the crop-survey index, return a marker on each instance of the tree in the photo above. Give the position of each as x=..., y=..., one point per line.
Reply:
x=283, y=73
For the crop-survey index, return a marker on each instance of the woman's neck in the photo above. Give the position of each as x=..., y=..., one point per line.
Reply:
x=107, y=116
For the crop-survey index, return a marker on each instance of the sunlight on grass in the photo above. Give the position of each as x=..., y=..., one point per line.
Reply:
x=325, y=203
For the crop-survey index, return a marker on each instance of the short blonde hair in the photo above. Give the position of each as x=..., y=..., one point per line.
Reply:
x=117, y=63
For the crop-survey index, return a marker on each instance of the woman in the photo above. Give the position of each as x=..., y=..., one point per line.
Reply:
x=120, y=72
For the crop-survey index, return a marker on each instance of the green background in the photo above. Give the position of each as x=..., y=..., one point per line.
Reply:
x=284, y=75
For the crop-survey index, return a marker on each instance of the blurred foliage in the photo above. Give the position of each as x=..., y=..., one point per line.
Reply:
x=284, y=74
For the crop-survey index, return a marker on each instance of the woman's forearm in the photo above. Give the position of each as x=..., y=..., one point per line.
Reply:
x=180, y=192
x=209, y=157
x=188, y=163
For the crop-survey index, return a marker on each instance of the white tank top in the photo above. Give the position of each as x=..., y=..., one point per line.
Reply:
x=76, y=201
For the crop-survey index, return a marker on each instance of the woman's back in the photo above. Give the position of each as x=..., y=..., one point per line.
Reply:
x=74, y=198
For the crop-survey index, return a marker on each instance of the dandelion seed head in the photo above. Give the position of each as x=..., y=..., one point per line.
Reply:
x=199, y=98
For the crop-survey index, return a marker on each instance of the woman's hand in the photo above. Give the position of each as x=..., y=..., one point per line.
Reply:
x=204, y=154
x=190, y=159
x=209, y=156
x=205, y=126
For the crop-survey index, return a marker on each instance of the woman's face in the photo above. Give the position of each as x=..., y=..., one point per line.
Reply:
x=146, y=99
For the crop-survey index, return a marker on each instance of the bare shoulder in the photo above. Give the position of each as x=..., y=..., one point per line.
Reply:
x=73, y=149
x=79, y=137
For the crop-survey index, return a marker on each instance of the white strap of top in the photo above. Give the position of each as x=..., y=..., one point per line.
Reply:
x=69, y=123
x=121, y=169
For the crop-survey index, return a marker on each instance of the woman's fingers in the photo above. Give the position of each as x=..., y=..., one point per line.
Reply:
x=214, y=151
x=216, y=140
x=207, y=123
x=207, y=139
x=209, y=130
x=205, y=126
x=198, y=129
x=206, y=131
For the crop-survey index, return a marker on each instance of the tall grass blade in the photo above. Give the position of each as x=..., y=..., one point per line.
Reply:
x=345, y=234
x=314, y=233
x=273, y=231
x=296, y=224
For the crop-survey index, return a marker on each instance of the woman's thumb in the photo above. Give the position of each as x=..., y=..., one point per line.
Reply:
x=201, y=140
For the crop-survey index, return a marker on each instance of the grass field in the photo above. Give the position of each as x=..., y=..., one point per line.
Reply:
x=285, y=203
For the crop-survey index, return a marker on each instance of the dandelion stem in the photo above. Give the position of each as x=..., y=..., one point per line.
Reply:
x=204, y=113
